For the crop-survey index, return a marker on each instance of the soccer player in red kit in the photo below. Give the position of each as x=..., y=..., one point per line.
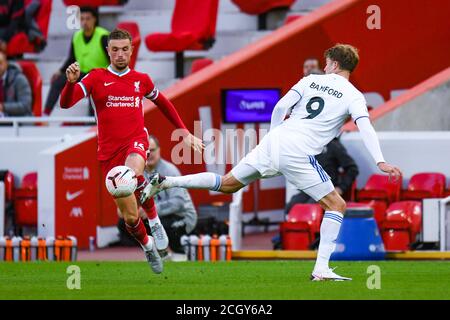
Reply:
x=116, y=94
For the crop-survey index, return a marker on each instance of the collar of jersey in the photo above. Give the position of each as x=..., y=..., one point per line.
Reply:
x=120, y=74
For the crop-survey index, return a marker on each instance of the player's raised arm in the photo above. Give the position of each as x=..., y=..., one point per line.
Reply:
x=370, y=139
x=72, y=93
x=169, y=110
x=290, y=99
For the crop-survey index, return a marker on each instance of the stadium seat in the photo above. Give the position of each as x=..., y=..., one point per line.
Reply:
x=94, y=3
x=261, y=8
x=19, y=44
x=193, y=28
x=301, y=227
x=133, y=29
x=401, y=225
x=378, y=187
x=25, y=201
x=255, y=7
x=34, y=78
x=379, y=210
x=291, y=18
x=199, y=64
x=7, y=178
x=425, y=185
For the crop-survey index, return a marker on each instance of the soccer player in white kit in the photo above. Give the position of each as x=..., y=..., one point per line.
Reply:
x=321, y=105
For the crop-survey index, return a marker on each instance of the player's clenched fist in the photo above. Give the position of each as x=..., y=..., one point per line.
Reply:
x=73, y=72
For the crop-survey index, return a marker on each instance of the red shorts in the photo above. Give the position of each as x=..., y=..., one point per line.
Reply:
x=139, y=146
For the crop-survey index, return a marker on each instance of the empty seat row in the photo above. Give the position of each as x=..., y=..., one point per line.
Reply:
x=420, y=186
x=399, y=224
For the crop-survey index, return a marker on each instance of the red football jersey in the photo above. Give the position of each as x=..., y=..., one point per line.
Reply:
x=117, y=101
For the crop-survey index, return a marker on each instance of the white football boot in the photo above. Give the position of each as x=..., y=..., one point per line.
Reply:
x=153, y=257
x=153, y=187
x=327, y=275
x=161, y=239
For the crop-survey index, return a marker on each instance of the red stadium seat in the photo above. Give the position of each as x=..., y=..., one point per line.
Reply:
x=133, y=29
x=19, y=43
x=34, y=78
x=255, y=7
x=301, y=227
x=25, y=201
x=94, y=3
x=8, y=179
x=379, y=210
x=425, y=185
x=291, y=18
x=193, y=28
x=402, y=224
x=261, y=8
x=199, y=64
x=378, y=187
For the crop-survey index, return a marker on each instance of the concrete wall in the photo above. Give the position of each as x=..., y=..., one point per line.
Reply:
x=428, y=112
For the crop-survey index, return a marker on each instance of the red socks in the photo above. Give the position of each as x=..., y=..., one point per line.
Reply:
x=138, y=231
x=149, y=205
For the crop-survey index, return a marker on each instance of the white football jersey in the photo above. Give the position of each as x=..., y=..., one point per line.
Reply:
x=325, y=103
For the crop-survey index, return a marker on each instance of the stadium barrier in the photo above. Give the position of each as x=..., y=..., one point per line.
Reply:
x=207, y=248
x=18, y=249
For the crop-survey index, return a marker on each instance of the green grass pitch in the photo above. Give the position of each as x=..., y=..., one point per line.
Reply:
x=272, y=280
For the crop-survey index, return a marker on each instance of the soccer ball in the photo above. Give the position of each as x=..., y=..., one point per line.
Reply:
x=121, y=181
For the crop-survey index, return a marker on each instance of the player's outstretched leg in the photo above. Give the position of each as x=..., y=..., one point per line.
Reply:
x=203, y=180
x=334, y=207
x=156, y=227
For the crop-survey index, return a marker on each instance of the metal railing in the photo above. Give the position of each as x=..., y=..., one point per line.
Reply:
x=43, y=121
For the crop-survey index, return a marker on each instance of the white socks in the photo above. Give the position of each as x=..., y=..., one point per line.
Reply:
x=204, y=180
x=329, y=231
x=149, y=245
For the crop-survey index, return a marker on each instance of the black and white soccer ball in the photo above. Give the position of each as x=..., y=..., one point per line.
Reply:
x=121, y=181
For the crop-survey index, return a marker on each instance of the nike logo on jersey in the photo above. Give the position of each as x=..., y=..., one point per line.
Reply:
x=72, y=196
x=108, y=83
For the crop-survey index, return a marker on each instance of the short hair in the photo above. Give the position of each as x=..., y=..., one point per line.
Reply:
x=92, y=10
x=311, y=58
x=119, y=34
x=345, y=55
x=152, y=137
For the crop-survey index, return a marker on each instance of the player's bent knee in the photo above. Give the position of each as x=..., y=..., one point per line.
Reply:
x=121, y=181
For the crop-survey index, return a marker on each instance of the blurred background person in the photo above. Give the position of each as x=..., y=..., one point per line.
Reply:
x=88, y=48
x=15, y=91
x=311, y=66
x=12, y=20
x=174, y=206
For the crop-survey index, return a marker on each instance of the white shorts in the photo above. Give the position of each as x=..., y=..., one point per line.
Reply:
x=271, y=157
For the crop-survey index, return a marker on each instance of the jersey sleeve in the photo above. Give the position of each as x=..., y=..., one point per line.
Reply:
x=358, y=108
x=151, y=92
x=87, y=82
x=300, y=87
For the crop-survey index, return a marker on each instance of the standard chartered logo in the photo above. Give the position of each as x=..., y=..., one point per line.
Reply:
x=123, y=102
